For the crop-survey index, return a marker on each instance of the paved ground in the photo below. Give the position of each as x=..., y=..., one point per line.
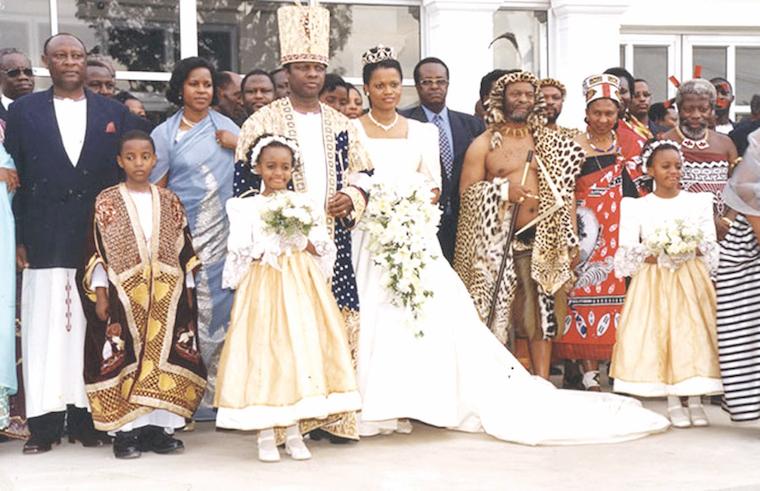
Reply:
x=723, y=456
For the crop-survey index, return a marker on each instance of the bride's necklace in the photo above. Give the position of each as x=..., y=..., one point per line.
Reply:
x=701, y=144
x=602, y=150
x=384, y=127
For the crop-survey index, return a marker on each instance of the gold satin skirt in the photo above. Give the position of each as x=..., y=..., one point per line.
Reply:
x=667, y=341
x=286, y=356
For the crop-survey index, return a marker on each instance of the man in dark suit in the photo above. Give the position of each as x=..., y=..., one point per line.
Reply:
x=456, y=131
x=16, y=78
x=64, y=143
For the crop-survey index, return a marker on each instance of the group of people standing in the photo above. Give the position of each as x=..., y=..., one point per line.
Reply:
x=162, y=283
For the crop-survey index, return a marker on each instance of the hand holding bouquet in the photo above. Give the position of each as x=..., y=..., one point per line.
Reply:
x=674, y=243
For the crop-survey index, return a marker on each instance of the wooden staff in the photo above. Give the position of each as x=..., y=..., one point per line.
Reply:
x=503, y=266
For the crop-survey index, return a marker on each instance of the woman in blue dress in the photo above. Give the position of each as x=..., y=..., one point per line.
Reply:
x=195, y=149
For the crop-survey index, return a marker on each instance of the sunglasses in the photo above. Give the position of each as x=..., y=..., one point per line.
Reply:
x=18, y=71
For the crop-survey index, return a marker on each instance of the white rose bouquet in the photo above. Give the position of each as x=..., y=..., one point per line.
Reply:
x=401, y=221
x=290, y=216
x=674, y=243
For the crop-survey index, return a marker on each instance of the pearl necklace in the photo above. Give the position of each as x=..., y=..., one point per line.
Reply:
x=384, y=127
x=600, y=150
x=187, y=122
x=701, y=144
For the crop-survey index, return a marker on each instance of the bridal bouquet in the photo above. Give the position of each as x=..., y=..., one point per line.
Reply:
x=289, y=215
x=401, y=221
x=674, y=243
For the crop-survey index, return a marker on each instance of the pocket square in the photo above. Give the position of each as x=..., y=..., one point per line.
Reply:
x=110, y=127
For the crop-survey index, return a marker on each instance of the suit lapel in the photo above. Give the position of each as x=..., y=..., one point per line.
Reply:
x=458, y=133
x=95, y=126
x=47, y=121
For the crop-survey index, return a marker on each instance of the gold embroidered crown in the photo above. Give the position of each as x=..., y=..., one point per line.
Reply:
x=304, y=34
x=377, y=54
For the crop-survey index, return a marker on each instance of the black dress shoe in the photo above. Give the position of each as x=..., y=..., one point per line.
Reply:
x=155, y=439
x=91, y=438
x=35, y=445
x=320, y=434
x=126, y=445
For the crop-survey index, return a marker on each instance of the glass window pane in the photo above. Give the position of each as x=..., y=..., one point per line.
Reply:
x=140, y=35
x=25, y=25
x=712, y=59
x=241, y=35
x=520, y=39
x=651, y=64
x=747, y=74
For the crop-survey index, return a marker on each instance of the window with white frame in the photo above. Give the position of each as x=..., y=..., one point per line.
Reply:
x=146, y=37
x=656, y=57
x=521, y=40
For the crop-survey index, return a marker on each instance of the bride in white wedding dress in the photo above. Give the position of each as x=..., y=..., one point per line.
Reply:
x=457, y=375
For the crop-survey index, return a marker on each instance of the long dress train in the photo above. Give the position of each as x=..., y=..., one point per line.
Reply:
x=458, y=375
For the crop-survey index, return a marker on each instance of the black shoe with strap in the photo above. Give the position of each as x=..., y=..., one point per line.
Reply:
x=126, y=445
x=155, y=439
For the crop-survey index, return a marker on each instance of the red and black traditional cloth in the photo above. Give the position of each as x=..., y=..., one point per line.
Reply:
x=145, y=356
x=597, y=297
x=706, y=171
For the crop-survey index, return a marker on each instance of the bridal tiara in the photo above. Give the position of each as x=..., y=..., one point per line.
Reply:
x=377, y=54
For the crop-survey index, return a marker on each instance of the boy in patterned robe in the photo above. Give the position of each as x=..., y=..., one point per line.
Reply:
x=143, y=371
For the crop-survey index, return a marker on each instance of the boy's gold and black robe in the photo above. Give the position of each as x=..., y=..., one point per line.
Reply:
x=145, y=356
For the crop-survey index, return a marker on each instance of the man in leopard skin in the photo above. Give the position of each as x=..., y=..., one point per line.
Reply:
x=494, y=179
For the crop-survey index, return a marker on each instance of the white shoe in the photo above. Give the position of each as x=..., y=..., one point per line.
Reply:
x=404, y=426
x=698, y=415
x=296, y=448
x=268, y=450
x=679, y=417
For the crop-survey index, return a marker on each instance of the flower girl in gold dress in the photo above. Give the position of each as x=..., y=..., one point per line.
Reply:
x=667, y=342
x=286, y=356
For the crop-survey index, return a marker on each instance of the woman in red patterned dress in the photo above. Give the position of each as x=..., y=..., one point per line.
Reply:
x=594, y=303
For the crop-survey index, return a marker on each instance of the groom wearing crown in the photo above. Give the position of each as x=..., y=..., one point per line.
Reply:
x=335, y=170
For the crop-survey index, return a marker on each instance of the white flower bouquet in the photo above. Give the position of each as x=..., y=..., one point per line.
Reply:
x=289, y=215
x=674, y=243
x=401, y=221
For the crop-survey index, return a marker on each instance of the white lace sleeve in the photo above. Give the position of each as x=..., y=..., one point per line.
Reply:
x=240, y=248
x=628, y=260
x=630, y=254
x=709, y=246
x=710, y=255
x=326, y=250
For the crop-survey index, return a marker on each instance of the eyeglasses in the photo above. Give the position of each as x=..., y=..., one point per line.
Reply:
x=18, y=71
x=437, y=82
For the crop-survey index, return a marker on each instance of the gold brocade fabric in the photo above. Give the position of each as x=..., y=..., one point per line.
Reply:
x=287, y=344
x=146, y=355
x=667, y=333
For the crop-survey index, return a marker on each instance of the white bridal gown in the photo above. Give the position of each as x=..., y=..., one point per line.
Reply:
x=458, y=375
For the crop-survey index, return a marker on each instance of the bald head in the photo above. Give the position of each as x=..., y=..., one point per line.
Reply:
x=65, y=58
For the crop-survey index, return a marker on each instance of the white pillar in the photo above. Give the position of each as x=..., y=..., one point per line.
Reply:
x=458, y=32
x=188, y=28
x=584, y=40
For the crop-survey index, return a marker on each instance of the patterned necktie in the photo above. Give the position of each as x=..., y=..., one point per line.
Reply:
x=447, y=159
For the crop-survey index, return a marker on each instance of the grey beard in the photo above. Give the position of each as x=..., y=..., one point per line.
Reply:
x=694, y=135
